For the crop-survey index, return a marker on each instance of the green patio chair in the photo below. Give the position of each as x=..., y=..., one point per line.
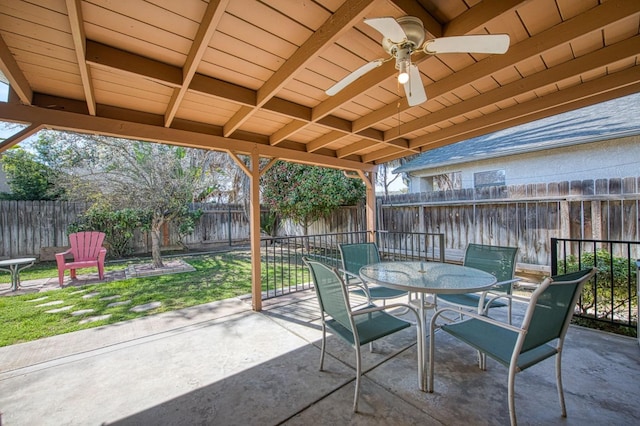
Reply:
x=540, y=336
x=357, y=327
x=496, y=260
x=354, y=257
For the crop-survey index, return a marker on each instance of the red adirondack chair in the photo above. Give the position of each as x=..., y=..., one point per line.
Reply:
x=87, y=251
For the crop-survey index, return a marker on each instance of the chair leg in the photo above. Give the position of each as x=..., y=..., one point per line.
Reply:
x=511, y=392
x=509, y=309
x=322, y=349
x=358, y=373
x=61, y=276
x=559, y=383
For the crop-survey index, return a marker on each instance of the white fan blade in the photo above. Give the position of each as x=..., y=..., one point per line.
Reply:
x=488, y=43
x=414, y=88
x=388, y=27
x=353, y=76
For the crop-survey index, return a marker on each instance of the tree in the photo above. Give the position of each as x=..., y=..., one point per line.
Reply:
x=28, y=178
x=307, y=193
x=159, y=179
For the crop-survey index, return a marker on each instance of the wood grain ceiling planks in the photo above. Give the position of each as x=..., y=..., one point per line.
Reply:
x=255, y=71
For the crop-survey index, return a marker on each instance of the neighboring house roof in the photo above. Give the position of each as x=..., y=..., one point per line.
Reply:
x=608, y=120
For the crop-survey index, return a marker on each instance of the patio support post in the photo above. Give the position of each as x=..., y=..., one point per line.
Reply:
x=256, y=267
x=369, y=179
x=254, y=172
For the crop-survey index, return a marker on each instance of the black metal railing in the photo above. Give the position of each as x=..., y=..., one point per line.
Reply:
x=283, y=271
x=612, y=296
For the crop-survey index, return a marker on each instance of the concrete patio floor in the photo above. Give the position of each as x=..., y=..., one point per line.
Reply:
x=223, y=364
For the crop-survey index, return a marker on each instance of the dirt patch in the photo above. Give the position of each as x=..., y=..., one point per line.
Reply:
x=172, y=266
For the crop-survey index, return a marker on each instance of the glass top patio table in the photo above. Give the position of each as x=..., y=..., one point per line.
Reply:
x=423, y=278
x=428, y=277
x=13, y=266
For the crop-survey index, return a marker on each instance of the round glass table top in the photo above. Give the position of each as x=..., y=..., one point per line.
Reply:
x=427, y=277
x=20, y=261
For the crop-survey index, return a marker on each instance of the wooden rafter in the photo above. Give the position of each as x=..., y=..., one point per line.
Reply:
x=77, y=33
x=11, y=70
x=20, y=136
x=207, y=26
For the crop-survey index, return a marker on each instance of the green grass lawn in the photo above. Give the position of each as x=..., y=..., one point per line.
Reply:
x=217, y=276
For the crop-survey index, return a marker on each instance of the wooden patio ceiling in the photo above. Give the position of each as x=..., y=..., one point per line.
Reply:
x=249, y=76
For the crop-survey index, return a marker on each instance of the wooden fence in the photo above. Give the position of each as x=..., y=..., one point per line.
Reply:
x=39, y=228
x=526, y=216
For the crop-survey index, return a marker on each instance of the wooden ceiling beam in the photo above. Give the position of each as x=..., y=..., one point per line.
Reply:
x=591, y=61
x=12, y=72
x=325, y=140
x=117, y=127
x=289, y=129
x=213, y=13
x=341, y=21
x=107, y=57
x=74, y=12
x=478, y=16
x=589, y=21
x=23, y=134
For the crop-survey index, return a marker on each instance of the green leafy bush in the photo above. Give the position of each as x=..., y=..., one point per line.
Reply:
x=613, y=294
x=118, y=226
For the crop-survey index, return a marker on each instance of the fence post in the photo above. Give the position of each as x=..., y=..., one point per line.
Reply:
x=638, y=299
x=554, y=256
x=229, y=223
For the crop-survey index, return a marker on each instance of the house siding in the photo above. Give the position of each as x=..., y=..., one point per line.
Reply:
x=609, y=159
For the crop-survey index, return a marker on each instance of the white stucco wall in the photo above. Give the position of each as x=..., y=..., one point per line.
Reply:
x=616, y=158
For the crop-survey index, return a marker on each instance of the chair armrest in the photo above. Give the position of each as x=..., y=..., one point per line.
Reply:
x=515, y=280
x=374, y=308
x=61, y=255
x=102, y=254
x=474, y=315
x=351, y=274
x=360, y=284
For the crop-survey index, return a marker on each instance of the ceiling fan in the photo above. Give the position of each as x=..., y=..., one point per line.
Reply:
x=404, y=36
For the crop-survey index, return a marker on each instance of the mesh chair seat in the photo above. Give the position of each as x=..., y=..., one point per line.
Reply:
x=371, y=327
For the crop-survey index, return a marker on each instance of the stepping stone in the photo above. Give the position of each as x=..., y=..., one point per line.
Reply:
x=114, y=304
x=81, y=312
x=94, y=319
x=146, y=307
x=77, y=292
x=39, y=299
x=117, y=296
x=55, y=302
x=55, y=311
x=90, y=295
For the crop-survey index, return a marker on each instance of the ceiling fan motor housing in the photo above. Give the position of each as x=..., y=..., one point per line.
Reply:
x=413, y=29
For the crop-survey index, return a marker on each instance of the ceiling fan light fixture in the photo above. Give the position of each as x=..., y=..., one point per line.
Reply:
x=403, y=62
x=403, y=75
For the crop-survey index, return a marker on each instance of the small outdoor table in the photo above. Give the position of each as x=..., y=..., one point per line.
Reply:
x=14, y=266
x=427, y=277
